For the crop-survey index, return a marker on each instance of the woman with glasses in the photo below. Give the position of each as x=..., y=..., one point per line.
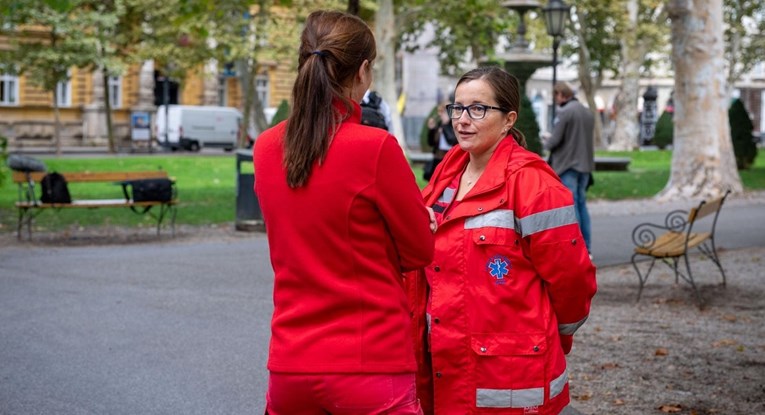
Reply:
x=511, y=280
x=344, y=218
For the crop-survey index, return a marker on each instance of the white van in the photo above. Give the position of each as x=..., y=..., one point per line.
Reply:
x=193, y=127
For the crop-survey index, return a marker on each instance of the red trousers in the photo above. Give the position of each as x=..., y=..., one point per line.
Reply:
x=342, y=394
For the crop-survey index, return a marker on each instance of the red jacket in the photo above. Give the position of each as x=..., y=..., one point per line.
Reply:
x=338, y=247
x=510, y=279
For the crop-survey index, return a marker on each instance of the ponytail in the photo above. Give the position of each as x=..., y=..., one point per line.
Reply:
x=519, y=137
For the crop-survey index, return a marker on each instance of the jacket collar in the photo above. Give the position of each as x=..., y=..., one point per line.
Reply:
x=344, y=115
x=507, y=158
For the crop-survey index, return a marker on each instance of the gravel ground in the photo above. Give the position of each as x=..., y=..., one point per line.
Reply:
x=664, y=354
x=661, y=355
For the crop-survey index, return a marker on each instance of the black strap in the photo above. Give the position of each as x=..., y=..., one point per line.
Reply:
x=128, y=199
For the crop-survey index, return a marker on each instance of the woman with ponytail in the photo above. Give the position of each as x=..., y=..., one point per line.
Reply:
x=344, y=219
x=511, y=280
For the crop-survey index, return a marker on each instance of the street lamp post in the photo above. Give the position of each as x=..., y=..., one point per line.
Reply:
x=556, y=14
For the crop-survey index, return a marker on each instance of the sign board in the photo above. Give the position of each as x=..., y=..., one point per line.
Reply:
x=140, y=126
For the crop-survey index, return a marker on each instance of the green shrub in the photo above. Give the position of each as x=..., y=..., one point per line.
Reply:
x=527, y=124
x=741, y=127
x=282, y=112
x=664, y=130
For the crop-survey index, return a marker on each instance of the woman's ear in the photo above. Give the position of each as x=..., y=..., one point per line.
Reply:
x=365, y=72
x=510, y=119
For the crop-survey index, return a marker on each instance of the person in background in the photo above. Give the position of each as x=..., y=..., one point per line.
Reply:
x=440, y=137
x=383, y=107
x=510, y=281
x=332, y=191
x=572, y=154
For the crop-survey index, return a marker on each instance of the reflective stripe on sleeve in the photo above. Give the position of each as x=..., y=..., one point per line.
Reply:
x=570, y=328
x=548, y=219
x=518, y=398
x=557, y=384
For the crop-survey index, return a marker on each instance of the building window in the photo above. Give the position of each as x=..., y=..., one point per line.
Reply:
x=115, y=91
x=64, y=92
x=261, y=88
x=9, y=90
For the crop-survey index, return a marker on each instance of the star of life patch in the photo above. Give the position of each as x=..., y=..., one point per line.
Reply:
x=498, y=268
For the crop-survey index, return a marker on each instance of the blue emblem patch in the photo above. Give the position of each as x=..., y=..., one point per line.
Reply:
x=498, y=267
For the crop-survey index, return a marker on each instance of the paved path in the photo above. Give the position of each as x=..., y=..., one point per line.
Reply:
x=181, y=326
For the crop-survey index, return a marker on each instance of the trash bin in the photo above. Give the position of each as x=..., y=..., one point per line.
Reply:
x=248, y=214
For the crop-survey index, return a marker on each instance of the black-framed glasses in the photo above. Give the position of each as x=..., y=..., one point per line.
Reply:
x=475, y=111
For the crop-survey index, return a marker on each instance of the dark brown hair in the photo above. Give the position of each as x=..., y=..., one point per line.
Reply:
x=333, y=47
x=506, y=89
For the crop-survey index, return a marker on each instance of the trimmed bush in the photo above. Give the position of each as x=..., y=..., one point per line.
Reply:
x=281, y=113
x=527, y=124
x=741, y=127
x=664, y=133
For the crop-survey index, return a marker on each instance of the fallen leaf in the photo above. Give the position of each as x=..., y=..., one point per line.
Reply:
x=609, y=365
x=618, y=402
x=724, y=342
x=671, y=409
x=661, y=351
x=584, y=396
x=730, y=317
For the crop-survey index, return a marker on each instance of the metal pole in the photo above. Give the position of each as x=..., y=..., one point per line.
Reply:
x=556, y=43
x=166, y=101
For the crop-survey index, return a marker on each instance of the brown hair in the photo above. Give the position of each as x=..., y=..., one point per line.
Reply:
x=506, y=89
x=332, y=48
x=564, y=89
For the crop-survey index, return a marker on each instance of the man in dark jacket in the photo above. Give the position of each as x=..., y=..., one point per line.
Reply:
x=571, y=151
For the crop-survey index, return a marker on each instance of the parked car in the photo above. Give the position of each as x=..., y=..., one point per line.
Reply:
x=194, y=127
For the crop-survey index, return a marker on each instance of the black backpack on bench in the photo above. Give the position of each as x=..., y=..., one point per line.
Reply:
x=149, y=190
x=55, y=189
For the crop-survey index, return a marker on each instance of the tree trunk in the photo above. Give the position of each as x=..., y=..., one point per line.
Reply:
x=56, y=122
x=626, y=127
x=703, y=164
x=252, y=108
x=589, y=87
x=108, y=111
x=385, y=67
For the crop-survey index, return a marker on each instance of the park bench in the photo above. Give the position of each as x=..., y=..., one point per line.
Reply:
x=681, y=232
x=29, y=206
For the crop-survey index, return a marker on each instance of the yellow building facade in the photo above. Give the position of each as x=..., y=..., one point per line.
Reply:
x=27, y=117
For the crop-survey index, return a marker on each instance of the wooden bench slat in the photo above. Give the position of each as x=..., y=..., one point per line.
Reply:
x=95, y=203
x=84, y=177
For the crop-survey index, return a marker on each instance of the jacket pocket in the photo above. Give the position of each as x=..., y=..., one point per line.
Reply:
x=509, y=369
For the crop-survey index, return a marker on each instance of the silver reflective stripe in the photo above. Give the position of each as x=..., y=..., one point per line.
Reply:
x=509, y=398
x=570, y=328
x=518, y=398
x=500, y=218
x=548, y=219
x=557, y=384
x=427, y=319
x=447, y=195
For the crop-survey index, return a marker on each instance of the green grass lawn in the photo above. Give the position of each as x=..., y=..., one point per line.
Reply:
x=207, y=186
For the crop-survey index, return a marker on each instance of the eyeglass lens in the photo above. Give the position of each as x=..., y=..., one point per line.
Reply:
x=475, y=111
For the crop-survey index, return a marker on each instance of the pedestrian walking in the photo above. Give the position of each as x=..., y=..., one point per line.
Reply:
x=572, y=154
